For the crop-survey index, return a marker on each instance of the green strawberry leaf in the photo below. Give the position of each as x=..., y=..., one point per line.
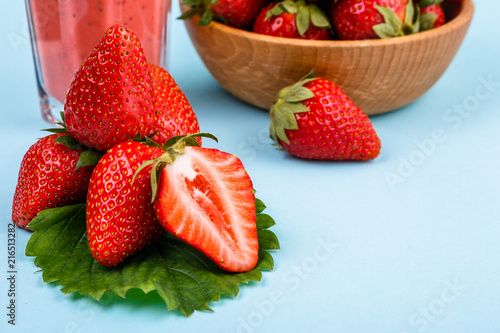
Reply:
x=288, y=103
x=183, y=277
x=70, y=142
x=392, y=25
x=89, y=156
x=303, y=19
x=190, y=2
x=427, y=21
x=427, y=3
x=206, y=18
x=297, y=93
x=264, y=221
x=259, y=207
x=318, y=17
x=275, y=11
x=288, y=6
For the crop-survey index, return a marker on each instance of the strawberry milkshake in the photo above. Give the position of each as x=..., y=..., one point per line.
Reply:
x=64, y=32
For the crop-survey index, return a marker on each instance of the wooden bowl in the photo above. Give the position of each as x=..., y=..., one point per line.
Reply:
x=378, y=75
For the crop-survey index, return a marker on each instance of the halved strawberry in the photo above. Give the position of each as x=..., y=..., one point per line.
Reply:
x=205, y=197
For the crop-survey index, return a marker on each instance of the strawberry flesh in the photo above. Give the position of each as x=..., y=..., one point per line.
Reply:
x=206, y=199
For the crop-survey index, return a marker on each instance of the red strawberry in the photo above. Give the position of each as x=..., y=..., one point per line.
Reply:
x=238, y=13
x=120, y=216
x=369, y=19
x=431, y=17
x=48, y=179
x=235, y=13
x=314, y=119
x=110, y=99
x=205, y=197
x=174, y=113
x=293, y=19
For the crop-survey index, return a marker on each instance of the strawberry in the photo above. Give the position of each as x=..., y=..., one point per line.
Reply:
x=314, y=119
x=120, y=216
x=205, y=197
x=431, y=14
x=175, y=115
x=235, y=13
x=293, y=19
x=110, y=99
x=238, y=13
x=370, y=19
x=49, y=178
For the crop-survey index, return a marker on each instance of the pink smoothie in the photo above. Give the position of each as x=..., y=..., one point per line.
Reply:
x=66, y=31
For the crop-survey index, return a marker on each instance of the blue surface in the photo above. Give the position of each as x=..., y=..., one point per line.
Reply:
x=406, y=243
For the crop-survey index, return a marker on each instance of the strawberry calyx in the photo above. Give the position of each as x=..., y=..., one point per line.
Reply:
x=174, y=147
x=306, y=14
x=393, y=26
x=198, y=7
x=427, y=21
x=287, y=104
x=61, y=126
x=431, y=14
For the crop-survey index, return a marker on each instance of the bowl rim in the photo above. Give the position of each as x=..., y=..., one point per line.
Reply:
x=463, y=17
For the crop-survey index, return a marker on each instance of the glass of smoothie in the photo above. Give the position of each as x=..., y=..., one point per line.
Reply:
x=64, y=32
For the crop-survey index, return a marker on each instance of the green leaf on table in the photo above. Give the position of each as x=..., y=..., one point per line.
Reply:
x=183, y=277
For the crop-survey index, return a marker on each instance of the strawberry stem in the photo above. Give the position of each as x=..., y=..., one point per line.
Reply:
x=174, y=147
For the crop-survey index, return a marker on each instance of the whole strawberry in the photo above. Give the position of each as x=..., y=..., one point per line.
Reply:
x=293, y=19
x=205, y=197
x=370, y=19
x=314, y=119
x=49, y=178
x=175, y=115
x=120, y=215
x=110, y=99
x=236, y=13
x=431, y=14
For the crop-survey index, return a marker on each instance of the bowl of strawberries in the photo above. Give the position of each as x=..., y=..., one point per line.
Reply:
x=384, y=54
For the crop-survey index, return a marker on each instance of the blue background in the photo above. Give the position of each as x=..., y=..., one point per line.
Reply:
x=406, y=243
